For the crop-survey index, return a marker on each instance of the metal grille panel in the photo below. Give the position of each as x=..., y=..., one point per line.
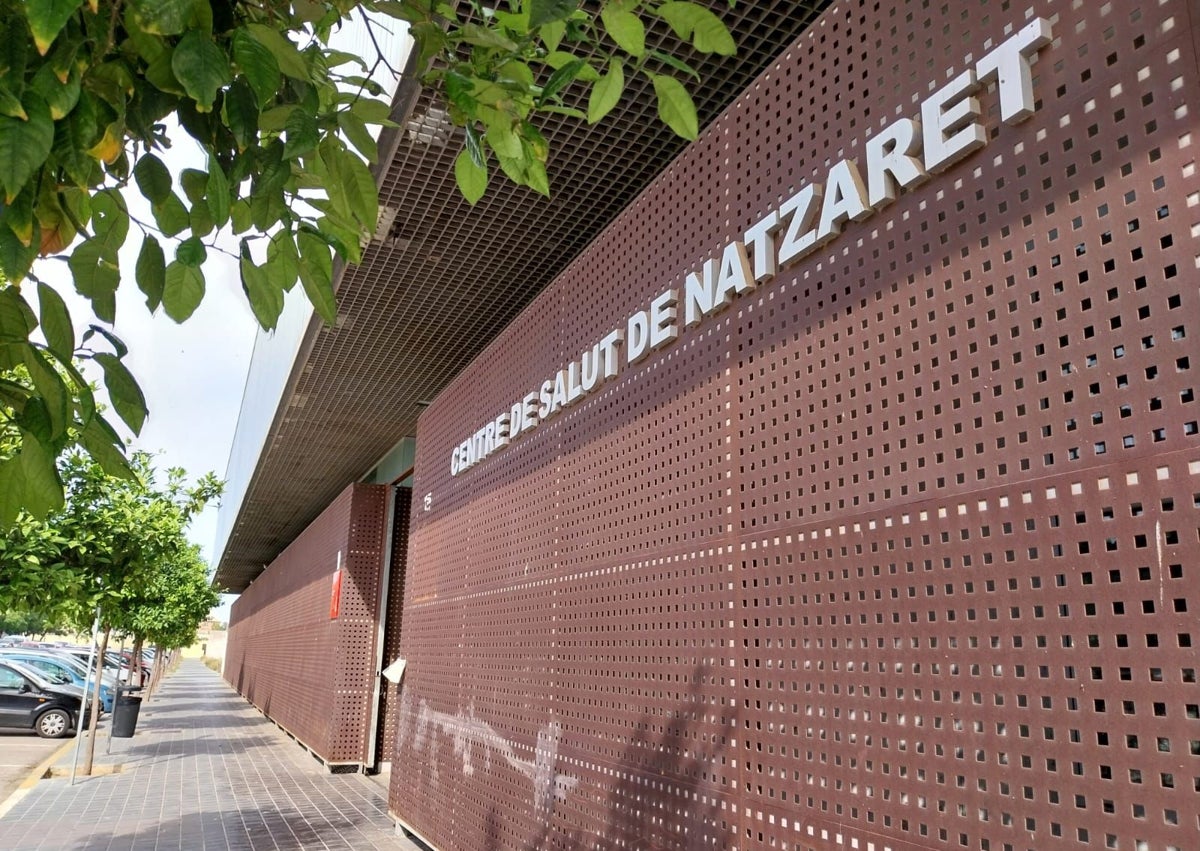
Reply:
x=897, y=552
x=310, y=673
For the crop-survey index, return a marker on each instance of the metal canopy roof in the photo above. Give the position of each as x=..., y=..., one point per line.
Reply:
x=445, y=278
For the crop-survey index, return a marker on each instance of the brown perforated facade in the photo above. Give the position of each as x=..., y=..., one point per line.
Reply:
x=312, y=673
x=899, y=551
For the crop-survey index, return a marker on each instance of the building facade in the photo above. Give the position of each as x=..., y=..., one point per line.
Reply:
x=886, y=536
x=845, y=492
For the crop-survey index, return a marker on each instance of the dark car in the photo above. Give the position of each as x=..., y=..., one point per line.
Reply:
x=30, y=701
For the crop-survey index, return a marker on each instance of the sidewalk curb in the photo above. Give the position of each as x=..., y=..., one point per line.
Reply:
x=34, y=776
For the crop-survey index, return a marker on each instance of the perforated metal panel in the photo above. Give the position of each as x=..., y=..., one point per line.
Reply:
x=313, y=674
x=897, y=552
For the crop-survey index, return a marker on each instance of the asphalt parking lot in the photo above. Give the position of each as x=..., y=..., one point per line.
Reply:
x=20, y=752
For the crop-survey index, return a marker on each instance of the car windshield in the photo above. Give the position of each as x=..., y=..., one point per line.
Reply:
x=50, y=665
x=29, y=673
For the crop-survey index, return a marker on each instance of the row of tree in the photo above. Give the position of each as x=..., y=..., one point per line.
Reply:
x=116, y=553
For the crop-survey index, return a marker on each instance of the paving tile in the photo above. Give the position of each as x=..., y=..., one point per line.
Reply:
x=205, y=771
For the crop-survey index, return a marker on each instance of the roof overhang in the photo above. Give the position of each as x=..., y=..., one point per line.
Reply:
x=445, y=278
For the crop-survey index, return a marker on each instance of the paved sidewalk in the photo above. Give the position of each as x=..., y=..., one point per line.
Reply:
x=205, y=771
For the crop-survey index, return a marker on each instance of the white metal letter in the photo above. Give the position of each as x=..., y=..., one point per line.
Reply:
x=758, y=237
x=662, y=319
x=638, y=338
x=800, y=237
x=735, y=277
x=948, y=122
x=845, y=200
x=892, y=162
x=1008, y=64
x=698, y=293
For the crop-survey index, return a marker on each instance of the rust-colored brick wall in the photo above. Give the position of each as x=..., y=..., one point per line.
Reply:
x=900, y=551
x=313, y=674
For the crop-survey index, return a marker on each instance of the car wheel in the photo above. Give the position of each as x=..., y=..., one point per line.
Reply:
x=53, y=724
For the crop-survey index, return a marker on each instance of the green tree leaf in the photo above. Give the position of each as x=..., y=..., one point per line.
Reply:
x=217, y=192
x=692, y=21
x=240, y=111
x=482, y=36
x=123, y=391
x=194, y=183
x=625, y=28
x=16, y=257
x=17, y=319
x=290, y=60
x=100, y=444
x=676, y=63
x=258, y=65
x=371, y=111
x=358, y=135
x=47, y=18
x=607, y=91
x=200, y=219
x=12, y=491
x=24, y=145
x=171, y=216
x=56, y=322
x=201, y=67
x=110, y=218
x=561, y=78
x=536, y=179
x=675, y=106
x=42, y=488
x=301, y=133
x=73, y=136
x=239, y=216
x=191, y=252
x=116, y=342
x=504, y=141
x=60, y=95
x=472, y=178
x=265, y=295
x=356, y=185
x=552, y=34
x=712, y=36
x=283, y=259
x=164, y=17
x=316, y=275
x=35, y=419
x=183, y=290
x=150, y=272
x=10, y=104
x=153, y=179
x=543, y=12
x=94, y=269
x=474, y=147
x=50, y=386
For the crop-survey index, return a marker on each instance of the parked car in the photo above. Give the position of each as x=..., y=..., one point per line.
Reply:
x=54, y=667
x=29, y=701
x=111, y=665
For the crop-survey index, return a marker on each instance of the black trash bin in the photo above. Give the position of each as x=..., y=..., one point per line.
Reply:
x=125, y=714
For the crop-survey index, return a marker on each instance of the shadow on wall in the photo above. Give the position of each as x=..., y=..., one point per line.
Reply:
x=667, y=797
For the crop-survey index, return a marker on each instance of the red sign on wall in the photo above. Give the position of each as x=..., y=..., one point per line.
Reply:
x=335, y=599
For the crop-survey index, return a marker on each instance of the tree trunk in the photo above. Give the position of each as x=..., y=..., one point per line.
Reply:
x=156, y=671
x=95, y=711
x=135, y=658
